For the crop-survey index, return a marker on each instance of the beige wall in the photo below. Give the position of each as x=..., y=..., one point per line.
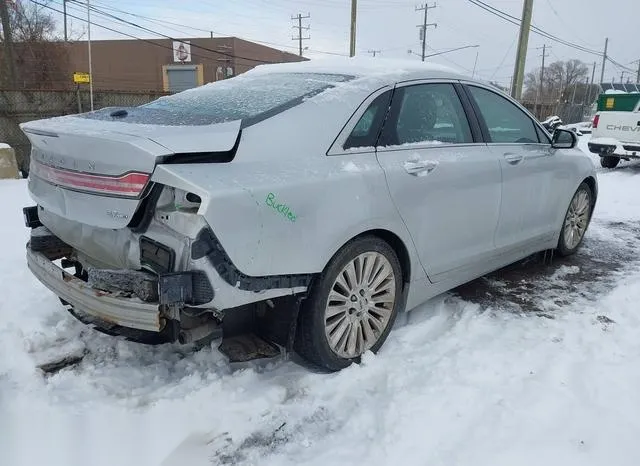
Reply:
x=134, y=65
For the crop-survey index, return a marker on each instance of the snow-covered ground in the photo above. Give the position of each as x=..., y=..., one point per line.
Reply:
x=537, y=364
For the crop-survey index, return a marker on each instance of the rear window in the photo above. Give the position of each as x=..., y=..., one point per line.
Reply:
x=248, y=98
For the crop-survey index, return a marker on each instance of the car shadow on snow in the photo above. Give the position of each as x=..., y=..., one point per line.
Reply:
x=545, y=283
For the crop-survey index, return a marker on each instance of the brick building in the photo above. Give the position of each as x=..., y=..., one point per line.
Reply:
x=142, y=65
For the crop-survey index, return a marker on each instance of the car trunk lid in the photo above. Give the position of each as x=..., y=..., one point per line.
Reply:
x=98, y=172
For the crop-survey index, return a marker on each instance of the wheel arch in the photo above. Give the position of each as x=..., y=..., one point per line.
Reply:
x=396, y=244
x=593, y=185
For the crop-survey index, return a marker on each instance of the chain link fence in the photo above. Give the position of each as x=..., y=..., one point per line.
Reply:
x=18, y=106
x=568, y=112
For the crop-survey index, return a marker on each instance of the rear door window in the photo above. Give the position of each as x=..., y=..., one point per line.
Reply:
x=506, y=122
x=427, y=114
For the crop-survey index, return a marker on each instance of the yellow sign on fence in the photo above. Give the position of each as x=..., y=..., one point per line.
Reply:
x=81, y=77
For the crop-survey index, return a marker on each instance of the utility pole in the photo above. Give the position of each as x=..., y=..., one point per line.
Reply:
x=8, y=43
x=423, y=27
x=300, y=27
x=64, y=13
x=523, y=43
x=352, y=43
x=593, y=75
x=573, y=96
x=89, y=46
x=374, y=52
x=604, y=59
x=540, y=92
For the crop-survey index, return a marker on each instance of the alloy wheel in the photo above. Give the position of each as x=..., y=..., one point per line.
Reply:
x=360, y=304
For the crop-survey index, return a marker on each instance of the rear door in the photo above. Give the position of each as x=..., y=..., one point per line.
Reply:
x=531, y=183
x=443, y=180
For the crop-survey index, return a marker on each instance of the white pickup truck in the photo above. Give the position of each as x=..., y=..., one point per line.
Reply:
x=616, y=129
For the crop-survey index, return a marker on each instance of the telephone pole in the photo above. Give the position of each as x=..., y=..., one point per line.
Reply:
x=423, y=27
x=64, y=13
x=622, y=76
x=593, y=76
x=523, y=43
x=637, y=75
x=374, y=52
x=8, y=43
x=541, y=84
x=300, y=27
x=352, y=42
x=89, y=50
x=604, y=59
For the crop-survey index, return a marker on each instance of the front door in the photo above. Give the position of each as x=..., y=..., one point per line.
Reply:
x=531, y=178
x=445, y=185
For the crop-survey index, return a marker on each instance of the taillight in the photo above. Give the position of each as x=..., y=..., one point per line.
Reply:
x=127, y=185
x=596, y=119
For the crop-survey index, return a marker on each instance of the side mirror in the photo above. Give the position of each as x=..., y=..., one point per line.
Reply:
x=564, y=139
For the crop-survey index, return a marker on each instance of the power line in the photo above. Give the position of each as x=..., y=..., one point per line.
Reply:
x=143, y=28
x=102, y=26
x=163, y=23
x=148, y=41
x=516, y=21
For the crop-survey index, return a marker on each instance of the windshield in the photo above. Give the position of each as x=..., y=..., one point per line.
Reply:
x=248, y=98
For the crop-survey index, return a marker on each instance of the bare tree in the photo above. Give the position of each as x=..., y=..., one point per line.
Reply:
x=39, y=57
x=560, y=80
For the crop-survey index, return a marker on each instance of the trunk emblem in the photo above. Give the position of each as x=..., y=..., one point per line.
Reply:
x=117, y=215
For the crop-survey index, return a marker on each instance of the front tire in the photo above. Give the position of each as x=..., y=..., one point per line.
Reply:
x=608, y=161
x=576, y=220
x=351, y=306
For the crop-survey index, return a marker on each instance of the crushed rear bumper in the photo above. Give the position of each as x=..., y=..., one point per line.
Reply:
x=107, y=306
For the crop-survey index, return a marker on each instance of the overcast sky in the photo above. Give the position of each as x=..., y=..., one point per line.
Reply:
x=390, y=27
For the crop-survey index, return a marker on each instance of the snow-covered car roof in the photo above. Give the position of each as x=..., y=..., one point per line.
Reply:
x=361, y=67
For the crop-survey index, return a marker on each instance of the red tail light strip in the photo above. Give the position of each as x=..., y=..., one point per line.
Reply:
x=596, y=120
x=128, y=185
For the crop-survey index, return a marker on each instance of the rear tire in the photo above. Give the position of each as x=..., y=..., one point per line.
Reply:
x=351, y=306
x=608, y=161
x=576, y=220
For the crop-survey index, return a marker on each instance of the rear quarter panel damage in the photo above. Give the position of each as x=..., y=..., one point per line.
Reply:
x=275, y=218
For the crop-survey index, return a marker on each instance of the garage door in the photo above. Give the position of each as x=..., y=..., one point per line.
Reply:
x=182, y=77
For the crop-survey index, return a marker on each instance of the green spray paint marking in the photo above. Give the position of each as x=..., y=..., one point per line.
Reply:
x=280, y=208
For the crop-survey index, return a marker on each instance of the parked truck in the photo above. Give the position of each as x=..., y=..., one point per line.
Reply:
x=616, y=128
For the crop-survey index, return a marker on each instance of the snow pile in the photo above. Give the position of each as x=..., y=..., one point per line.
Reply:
x=459, y=384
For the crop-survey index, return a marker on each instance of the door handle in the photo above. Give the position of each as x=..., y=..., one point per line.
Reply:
x=420, y=167
x=512, y=158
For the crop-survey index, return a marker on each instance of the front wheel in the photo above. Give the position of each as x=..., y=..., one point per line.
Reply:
x=608, y=161
x=576, y=220
x=352, y=305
